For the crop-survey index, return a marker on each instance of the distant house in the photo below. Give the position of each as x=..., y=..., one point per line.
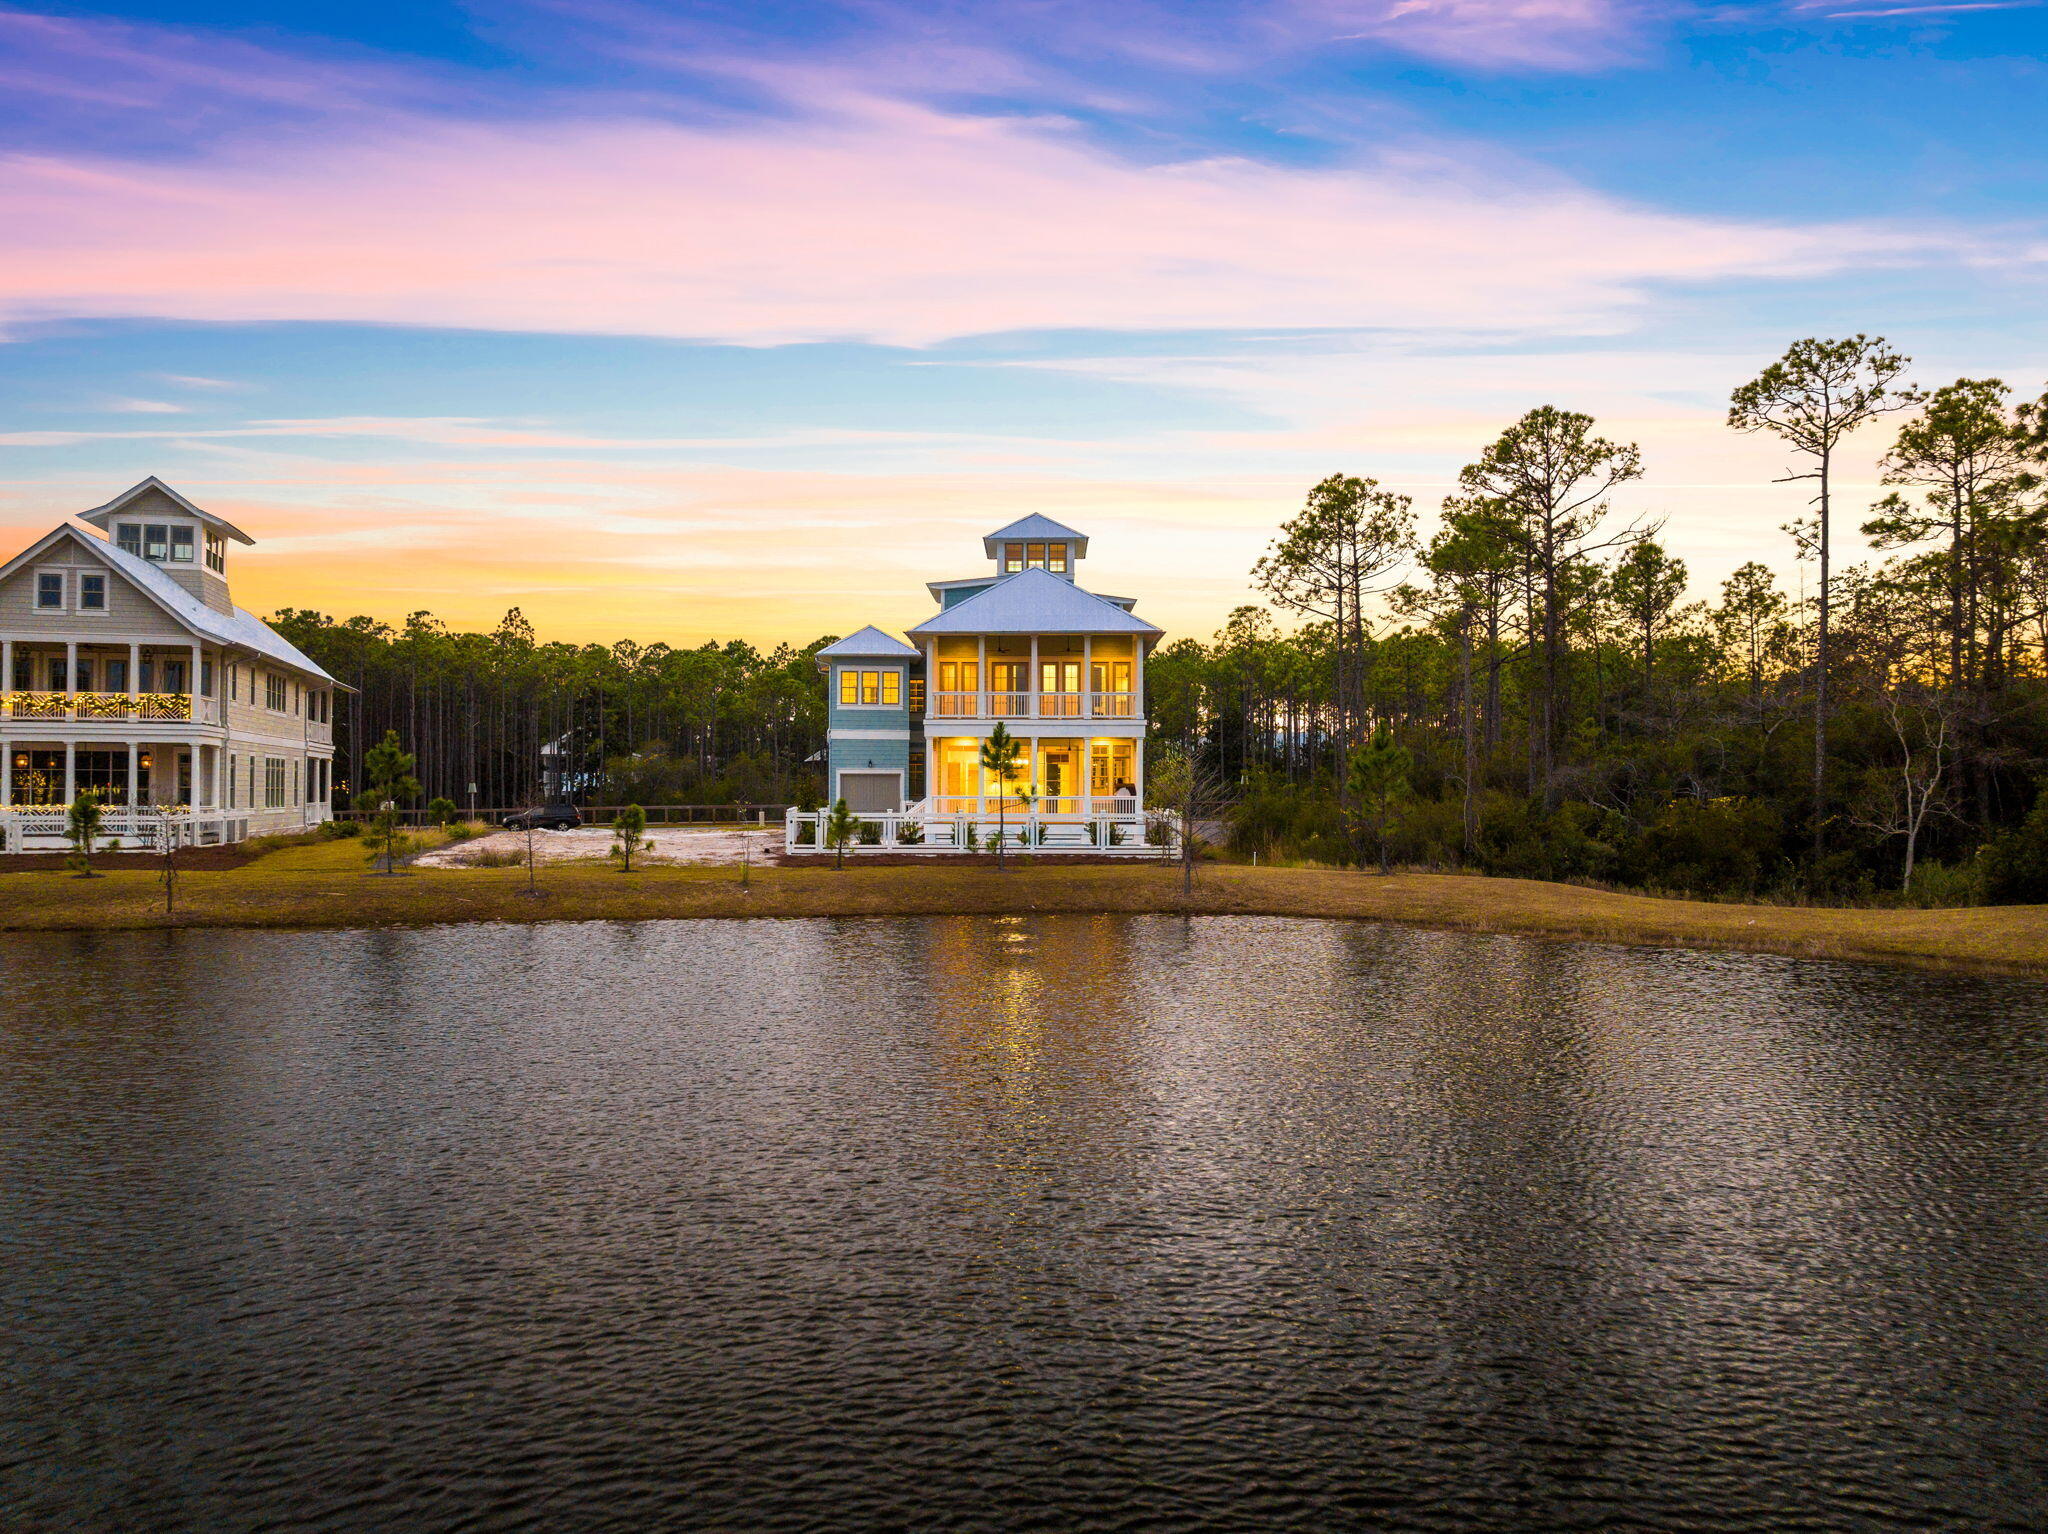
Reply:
x=129, y=671
x=1063, y=669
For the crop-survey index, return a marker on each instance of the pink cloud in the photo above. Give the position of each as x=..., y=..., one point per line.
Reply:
x=880, y=220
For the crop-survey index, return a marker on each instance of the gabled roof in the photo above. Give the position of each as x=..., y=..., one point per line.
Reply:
x=1034, y=602
x=1041, y=529
x=100, y=516
x=241, y=628
x=870, y=643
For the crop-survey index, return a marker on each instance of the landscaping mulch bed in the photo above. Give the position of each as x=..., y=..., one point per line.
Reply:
x=962, y=860
x=191, y=858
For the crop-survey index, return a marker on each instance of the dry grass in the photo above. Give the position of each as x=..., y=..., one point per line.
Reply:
x=328, y=885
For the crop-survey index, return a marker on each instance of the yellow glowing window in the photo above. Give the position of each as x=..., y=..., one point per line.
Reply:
x=1056, y=558
x=870, y=687
x=1034, y=556
x=1013, y=558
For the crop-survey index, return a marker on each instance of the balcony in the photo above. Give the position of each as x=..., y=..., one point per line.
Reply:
x=110, y=707
x=1034, y=705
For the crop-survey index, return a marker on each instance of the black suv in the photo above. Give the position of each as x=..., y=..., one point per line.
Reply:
x=559, y=816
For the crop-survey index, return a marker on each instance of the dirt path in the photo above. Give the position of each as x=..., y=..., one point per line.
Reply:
x=681, y=846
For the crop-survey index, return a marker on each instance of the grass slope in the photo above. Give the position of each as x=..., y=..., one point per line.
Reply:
x=327, y=885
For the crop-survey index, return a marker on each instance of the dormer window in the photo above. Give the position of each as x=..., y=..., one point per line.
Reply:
x=216, y=554
x=128, y=537
x=181, y=545
x=1013, y=558
x=1056, y=558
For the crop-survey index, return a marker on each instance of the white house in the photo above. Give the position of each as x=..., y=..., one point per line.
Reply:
x=130, y=672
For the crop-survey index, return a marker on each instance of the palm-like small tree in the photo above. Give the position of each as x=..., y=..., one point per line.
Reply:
x=999, y=758
x=841, y=826
x=629, y=835
x=82, y=826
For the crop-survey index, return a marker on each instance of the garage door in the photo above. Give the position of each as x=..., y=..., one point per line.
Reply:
x=871, y=793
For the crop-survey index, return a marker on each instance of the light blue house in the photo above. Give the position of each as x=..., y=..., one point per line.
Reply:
x=1063, y=669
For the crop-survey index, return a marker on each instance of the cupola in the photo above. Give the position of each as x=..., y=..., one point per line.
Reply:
x=152, y=522
x=1036, y=543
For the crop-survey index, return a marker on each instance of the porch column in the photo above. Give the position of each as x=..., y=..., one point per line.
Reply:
x=134, y=752
x=198, y=783
x=70, y=770
x=6, y=666
x=70, y=672
x=220, y=768
x=1086, y=749
x=1032, y=692
x=192, y=712
x=981, y=676
x=6, y=775
x=134, y=673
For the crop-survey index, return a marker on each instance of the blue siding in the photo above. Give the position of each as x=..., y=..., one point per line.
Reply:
x=839, y=717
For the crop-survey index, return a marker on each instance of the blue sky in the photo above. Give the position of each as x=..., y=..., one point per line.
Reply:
x=702, y=320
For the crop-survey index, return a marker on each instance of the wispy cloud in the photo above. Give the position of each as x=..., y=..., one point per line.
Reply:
x=875, y=219
x=1570, y=35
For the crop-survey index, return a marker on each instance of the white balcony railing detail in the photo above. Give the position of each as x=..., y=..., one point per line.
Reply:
x=1030, y=705
x=119, y=707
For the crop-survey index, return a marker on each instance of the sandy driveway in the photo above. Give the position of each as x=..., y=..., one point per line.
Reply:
x=672, y=844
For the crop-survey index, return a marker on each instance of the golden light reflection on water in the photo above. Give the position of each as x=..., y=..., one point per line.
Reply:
x=1032, y=1050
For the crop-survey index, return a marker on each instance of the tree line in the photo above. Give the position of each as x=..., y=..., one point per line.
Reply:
x=1559, y=709
x=624, y=723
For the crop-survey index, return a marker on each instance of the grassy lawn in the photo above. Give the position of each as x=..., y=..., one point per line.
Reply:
x=328, y=884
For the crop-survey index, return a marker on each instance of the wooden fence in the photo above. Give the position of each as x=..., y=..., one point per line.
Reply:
x=601, y=814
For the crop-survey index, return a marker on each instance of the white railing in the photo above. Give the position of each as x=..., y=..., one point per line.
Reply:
x=40, y=828
x=90, y=707
x=927, y=830
x=1034, y=705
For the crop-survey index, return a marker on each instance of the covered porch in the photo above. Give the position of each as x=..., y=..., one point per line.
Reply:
x=1059, y=777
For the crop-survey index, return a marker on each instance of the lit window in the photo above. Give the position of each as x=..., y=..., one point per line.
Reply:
x=1034, y=557
x=849, y=686
x=49, y=591
x=892, y=682
x=1013, y=557
x=1056, y=558
x=92, y=593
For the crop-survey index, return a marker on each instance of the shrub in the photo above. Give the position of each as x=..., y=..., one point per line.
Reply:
x=440, y=812
x=1718, y=846
x=340, y=830
x=2016, y=864
x=1944, y=886
x=487, y=857
x=869, y=833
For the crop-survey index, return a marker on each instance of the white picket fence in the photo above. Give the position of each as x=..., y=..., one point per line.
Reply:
x=919, y=831
x=42, y=830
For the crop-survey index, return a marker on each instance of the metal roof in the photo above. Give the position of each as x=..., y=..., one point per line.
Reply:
x=1041, y=529
x=1034, y=602
x=240, y=627
x=870, y=643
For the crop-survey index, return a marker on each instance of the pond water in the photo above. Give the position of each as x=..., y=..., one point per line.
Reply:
x=1115, y=1223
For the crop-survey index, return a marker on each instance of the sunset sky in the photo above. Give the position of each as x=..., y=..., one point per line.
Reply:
x=696, y=321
